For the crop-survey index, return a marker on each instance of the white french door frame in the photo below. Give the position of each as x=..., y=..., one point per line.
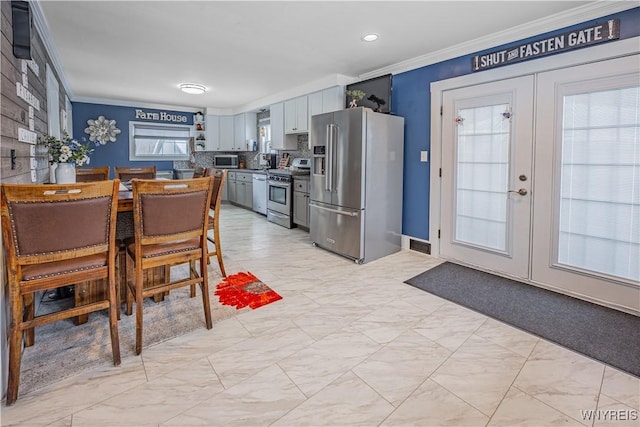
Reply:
x=579, y=57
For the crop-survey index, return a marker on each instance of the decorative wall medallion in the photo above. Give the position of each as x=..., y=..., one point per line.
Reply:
x=102, y=130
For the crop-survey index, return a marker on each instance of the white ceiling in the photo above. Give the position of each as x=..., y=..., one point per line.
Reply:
x=250, y=53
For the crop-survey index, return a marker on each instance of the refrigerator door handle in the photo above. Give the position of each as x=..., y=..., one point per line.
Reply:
x=334, y=210
x=328, y=184
x=334, y=155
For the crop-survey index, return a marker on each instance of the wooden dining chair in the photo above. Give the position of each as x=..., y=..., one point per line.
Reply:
x=127, y=174
x=170, y=228
x=199, y=172
x=56, y=236
x=219, y=179
x=92, y=174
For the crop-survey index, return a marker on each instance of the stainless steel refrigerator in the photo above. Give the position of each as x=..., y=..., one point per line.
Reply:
x=356, y=183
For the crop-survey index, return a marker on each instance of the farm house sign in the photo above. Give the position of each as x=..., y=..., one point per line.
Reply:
x=576, y=39
x=162, y=116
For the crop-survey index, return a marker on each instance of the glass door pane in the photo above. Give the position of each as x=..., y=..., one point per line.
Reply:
x=483, y=135
x=599, y=206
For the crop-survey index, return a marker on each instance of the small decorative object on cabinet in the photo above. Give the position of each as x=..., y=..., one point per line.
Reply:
x=356, y=96
x=199, y=127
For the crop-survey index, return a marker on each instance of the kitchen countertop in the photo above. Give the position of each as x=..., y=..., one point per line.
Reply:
x=258, y=171
x=289, y=172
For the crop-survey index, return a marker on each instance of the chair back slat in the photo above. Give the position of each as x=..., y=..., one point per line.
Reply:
x=92, y=174
x=127, y=174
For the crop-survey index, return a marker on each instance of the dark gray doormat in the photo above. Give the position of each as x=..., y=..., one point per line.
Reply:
x=608, y=335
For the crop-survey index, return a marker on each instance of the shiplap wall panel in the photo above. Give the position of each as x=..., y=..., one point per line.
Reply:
x=15, y=111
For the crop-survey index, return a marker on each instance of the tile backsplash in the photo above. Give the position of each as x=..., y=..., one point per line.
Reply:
x=204, y=159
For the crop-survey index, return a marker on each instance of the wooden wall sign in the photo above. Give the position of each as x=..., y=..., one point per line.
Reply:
x=576, y=39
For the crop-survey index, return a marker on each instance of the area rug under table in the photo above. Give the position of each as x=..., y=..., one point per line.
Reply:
x=607, y=335
x=63, y=349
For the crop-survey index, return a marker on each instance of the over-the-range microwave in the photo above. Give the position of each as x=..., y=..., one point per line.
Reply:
x=225, y=161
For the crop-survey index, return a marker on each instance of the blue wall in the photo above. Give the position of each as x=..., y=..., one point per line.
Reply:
x=411, y=99
x=116, y=153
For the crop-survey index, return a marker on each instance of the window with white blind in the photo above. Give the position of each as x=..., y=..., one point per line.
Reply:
x=155, y=141
x=483, y=174
x=599, y=211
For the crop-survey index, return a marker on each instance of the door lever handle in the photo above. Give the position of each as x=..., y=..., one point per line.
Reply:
x=521, y=192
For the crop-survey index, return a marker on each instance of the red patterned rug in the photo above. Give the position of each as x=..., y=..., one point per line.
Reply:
x=245, y=289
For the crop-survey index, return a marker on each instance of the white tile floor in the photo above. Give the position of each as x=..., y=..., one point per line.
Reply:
x=347, y=345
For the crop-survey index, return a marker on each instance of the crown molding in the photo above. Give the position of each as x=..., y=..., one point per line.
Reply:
x=120, y=103
x=540, y=26
x=45, y=35
x=327, y=81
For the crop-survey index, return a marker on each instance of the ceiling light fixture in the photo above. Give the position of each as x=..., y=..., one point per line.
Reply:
x=193, y=88
x=370, y=37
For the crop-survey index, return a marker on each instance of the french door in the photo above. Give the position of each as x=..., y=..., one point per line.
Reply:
x=586, y=218
x=541, y=179
x=486, y=171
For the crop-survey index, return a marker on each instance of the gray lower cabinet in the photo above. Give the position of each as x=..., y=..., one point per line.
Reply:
x=231, y=187
x=244, y=190
x=301, y=202
x=225, y=191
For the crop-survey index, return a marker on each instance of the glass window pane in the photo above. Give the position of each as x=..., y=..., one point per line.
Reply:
x=160, y=141
x=483, y=137
x=599, y=212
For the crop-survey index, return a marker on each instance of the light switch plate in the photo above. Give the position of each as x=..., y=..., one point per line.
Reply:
x=424, y=156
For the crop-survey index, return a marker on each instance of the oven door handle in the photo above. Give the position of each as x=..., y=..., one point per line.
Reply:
x=279, y=185
x=345, y=213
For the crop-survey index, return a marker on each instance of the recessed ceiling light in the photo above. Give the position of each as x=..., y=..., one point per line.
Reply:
x=193, y=88
x=370, y=37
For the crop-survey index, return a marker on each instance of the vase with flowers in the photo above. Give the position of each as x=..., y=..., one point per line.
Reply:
x=66, y=153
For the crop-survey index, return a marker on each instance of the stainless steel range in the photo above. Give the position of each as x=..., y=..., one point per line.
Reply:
x=279, y=192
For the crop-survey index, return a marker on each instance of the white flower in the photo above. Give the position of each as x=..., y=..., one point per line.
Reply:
x=102, y=130
x=65, y=150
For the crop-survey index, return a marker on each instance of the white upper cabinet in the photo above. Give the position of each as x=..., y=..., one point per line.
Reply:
x=288, y=119
x=296, y=115
x=332, y=99
x=212, y=127
x=325, y=101
x=279, y=141
x=226, y=141
x=245, y=127
x=315, y=104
